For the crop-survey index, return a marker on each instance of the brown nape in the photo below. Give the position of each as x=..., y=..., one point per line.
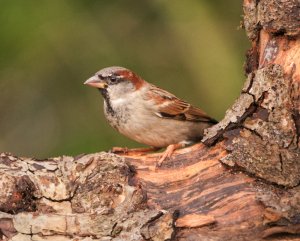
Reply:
x=136, y=80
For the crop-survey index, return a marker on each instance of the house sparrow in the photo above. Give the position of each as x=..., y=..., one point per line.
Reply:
x=146, y=113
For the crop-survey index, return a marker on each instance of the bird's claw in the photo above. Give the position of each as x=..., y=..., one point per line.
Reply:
x=119, y=150
x=168, y=153
x=125, y=150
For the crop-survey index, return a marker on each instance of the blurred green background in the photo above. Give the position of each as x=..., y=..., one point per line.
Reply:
x=49, y=48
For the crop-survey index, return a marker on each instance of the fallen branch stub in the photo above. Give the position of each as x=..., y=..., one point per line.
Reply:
x=265, y=144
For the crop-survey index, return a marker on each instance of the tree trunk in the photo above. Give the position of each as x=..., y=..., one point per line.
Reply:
x=241, y=184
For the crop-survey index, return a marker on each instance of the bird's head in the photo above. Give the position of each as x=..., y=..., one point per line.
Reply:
x=115, y=81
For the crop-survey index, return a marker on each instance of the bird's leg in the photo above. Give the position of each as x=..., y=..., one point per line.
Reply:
x=125, y=150
x=169, y=151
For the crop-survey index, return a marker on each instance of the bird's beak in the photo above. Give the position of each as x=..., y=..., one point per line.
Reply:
x=95, y=82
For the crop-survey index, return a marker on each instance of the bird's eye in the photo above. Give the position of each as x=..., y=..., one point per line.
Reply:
x=113, y=79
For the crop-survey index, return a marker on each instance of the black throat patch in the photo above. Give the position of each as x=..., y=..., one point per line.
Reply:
x=106, y=97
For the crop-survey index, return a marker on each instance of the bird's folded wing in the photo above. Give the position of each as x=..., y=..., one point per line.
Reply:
x=169, y=106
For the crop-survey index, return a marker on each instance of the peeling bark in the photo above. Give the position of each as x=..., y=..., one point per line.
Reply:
x=83, y=198
x=266, y=142
x=243, y=184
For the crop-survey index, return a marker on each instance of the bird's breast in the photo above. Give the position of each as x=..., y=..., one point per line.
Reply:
x=117, y=114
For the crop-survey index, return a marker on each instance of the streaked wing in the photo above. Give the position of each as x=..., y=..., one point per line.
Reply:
x=169, y=106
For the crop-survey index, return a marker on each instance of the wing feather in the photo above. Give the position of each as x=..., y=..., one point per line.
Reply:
x=169, y=106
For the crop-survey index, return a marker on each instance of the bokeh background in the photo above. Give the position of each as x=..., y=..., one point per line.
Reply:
x=49, y=48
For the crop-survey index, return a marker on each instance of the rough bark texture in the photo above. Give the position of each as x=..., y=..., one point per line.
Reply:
x=82, y=198
x=243, y=184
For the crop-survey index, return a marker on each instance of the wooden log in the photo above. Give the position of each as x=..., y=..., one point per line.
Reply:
x=81, y=198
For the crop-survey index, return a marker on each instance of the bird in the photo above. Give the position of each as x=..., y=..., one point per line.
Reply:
x=148, y=114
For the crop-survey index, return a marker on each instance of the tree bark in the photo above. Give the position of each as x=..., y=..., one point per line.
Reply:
x=241, y=184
